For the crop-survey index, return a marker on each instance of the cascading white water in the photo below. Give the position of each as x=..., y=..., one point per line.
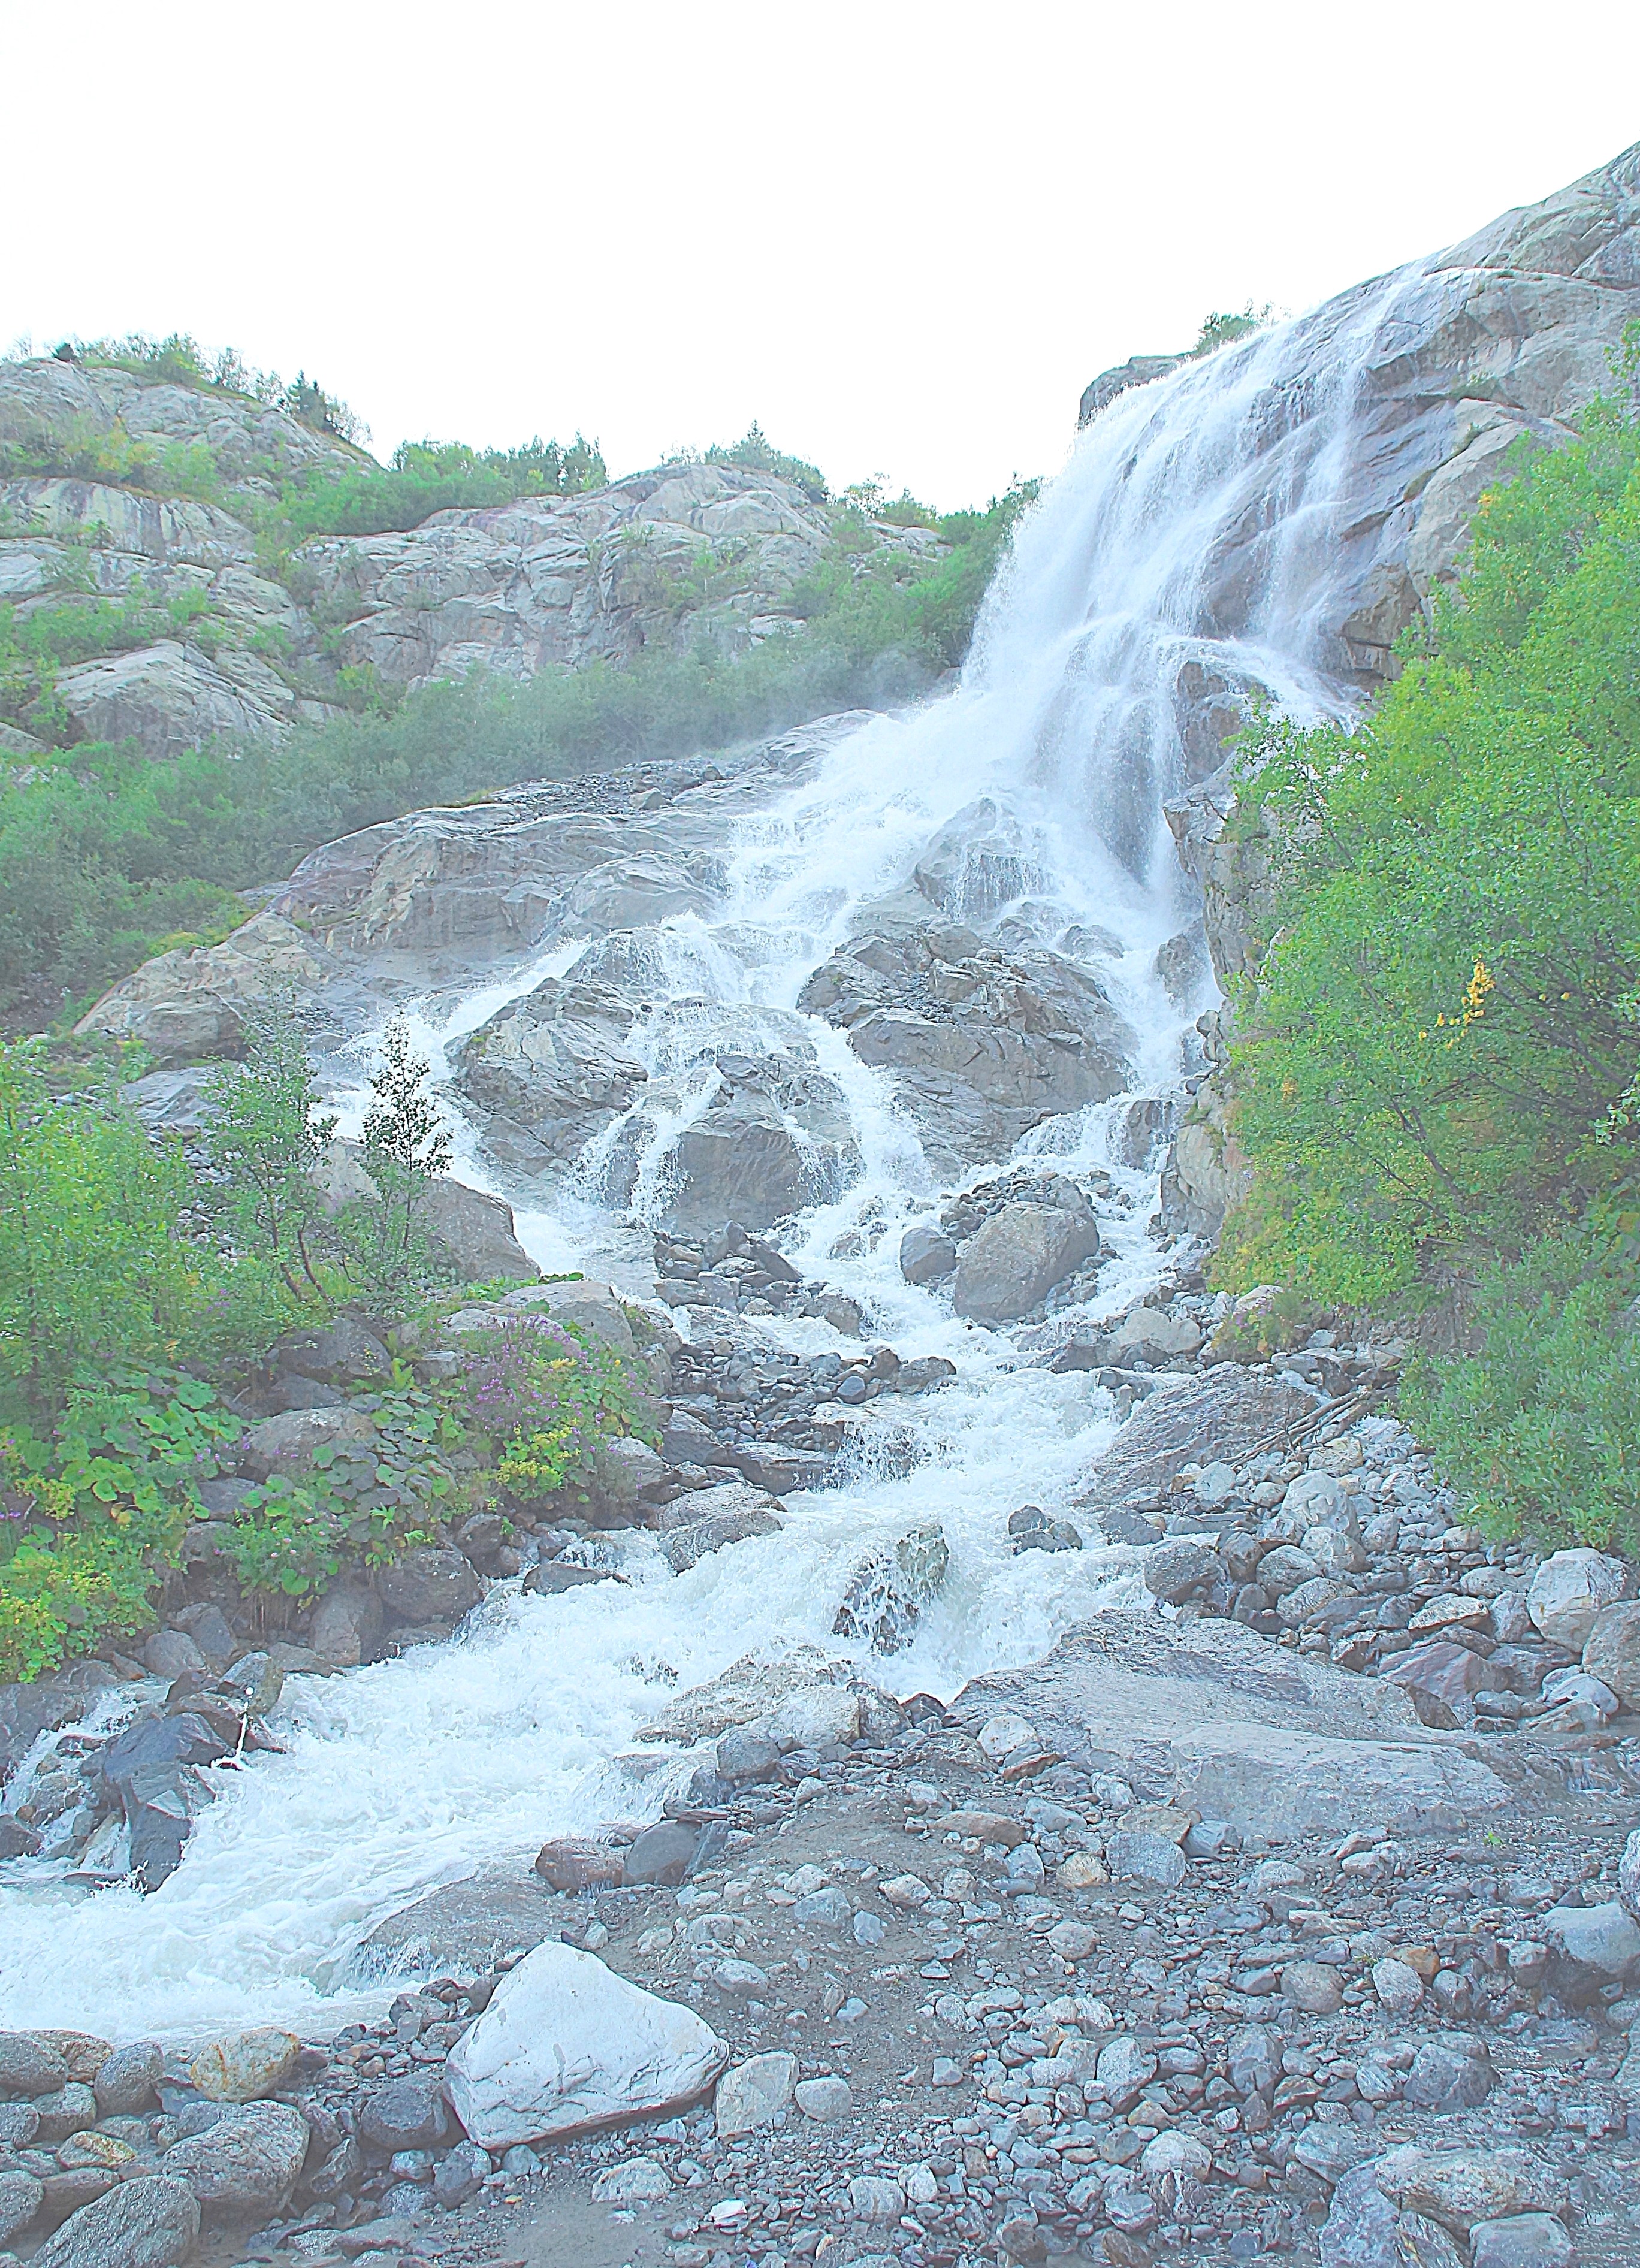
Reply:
x=1195, y=524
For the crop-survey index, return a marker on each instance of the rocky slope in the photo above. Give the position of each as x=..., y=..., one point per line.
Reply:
x=662, y=558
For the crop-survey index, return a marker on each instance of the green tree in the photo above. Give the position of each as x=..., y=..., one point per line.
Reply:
x=265, y=1138
x=406, y=1148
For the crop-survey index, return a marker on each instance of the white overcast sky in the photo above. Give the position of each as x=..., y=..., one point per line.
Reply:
x=900, y=235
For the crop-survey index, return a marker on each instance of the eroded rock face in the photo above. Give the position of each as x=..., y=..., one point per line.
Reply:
x=982, y=1046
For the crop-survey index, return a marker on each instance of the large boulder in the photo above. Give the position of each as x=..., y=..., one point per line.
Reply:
x=1570, y=1591
x=892, y=1586
x=1218, y=1418
x=567, y=2047
x=706, y=1520
x=428, y=1585
x=553, y=1069
x=1285, y=1745
x=192, y=1002
x=1019, y=1256
x=244, y=2162
x=286, y=1444
x=1612, y=1652
x=465, y=1926
x=150, y=2221
x=244, y=2066
x=173, y=697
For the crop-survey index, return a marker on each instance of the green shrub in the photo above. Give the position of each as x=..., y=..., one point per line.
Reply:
x=92, y=1269
x=89, y=1516
x=1542, y=1427
x=1439, y=1082
x=359, y=1506
x=548, y=1395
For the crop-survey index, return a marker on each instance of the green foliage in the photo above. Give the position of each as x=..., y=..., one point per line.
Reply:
x=406, y=1146
x=1221, y=330
x=1542, y=1427
x=426, y=477
x=106, y=851
x=264, y=1137
x=92, y=1270
x=757, y=454
x=40, y=639
x=364, y=1504
x=180, y=360
x=1444, y=1035
x=548, y=1395
x=1441, y=1068
x=86, y=1516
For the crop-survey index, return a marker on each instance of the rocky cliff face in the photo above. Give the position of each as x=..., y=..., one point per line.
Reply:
x=1505, y=336
x=1500, y=339
x=104, y=482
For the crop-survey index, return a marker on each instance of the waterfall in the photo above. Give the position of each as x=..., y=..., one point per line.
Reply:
x=1193, y=550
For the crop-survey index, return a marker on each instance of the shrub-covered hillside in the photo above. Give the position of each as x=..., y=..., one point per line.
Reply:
x=1440, y=1083
x=227, y=633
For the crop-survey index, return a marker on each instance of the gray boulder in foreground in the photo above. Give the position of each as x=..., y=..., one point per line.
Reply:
x=149, y=2222
x=567, y=2046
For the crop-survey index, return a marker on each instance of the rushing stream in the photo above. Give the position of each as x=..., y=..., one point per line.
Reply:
x=1192, y=528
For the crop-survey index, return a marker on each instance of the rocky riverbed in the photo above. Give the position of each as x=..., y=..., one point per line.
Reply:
x=1293, y=1913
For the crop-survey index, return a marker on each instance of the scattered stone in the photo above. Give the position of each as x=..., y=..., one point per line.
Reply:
x=874, y=2197
x=824, y=2100
x=406, y=2114
x=1313, y=1986
x=1145, y=1858
x=1523, y=2240
x=573, y=1863
x=637, y=2181
x=753, y=2093
x=462, y=2173
x=927, y=1255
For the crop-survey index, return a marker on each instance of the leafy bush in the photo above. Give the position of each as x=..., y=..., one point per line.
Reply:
x=1543, y=1426
x=93, y=1271
x=36, y=645
x=426, y=477
x=359, y=1505
x=86, y=1516
x=547, y=1394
